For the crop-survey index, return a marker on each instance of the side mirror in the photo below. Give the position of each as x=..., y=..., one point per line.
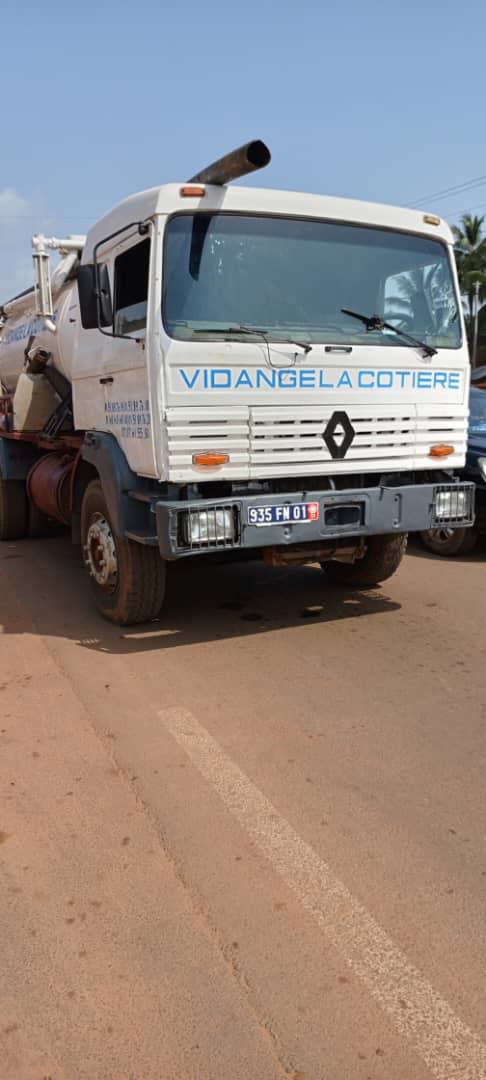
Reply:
x=93, y=290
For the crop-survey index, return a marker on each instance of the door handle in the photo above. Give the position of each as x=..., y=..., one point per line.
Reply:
x=106, y=381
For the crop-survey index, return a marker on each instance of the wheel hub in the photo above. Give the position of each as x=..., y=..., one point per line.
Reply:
x=442, y=535
x=100, y=553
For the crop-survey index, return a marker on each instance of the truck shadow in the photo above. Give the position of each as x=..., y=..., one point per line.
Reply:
x=206, y=602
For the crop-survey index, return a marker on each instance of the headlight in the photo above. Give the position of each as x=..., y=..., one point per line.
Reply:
x=212, y=526
x=452, y=505
x=482, y=467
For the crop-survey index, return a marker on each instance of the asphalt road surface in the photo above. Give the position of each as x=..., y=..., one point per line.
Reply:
x=246, y=842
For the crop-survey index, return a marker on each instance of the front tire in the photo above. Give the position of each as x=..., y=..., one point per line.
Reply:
x=449, y=542
x=127, y=579
x=383, y=557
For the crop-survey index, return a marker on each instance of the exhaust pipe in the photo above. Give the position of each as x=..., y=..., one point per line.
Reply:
x=248, y=158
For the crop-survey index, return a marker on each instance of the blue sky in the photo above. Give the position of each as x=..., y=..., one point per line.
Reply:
x=372, y=99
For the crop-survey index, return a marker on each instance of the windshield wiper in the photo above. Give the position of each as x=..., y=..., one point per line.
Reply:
x=253, y=330
x=375, y=322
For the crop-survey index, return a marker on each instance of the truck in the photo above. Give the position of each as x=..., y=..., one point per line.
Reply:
x=221, y=370
x=454, y=542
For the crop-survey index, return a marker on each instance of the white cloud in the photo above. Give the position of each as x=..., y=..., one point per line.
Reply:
x=12, y=206
x=20, y=217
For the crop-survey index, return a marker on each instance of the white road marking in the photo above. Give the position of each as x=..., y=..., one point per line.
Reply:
x=448, y=1047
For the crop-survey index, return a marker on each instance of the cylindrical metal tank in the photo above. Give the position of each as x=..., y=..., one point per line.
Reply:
x=48, y=485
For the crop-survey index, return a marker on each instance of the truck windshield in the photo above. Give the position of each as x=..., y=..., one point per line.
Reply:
x=292, y=277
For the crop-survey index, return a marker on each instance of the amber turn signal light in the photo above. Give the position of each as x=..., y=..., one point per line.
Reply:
x=441, y=450
x=192, y=191
x=210, y=459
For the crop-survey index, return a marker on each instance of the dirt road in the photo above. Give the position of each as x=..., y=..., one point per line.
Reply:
x=246, y=842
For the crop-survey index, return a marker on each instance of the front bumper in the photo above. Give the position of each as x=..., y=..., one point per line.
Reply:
x=353, y=513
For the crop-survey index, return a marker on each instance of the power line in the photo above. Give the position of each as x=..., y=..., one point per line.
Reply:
x=467, y=185
x=466, y=210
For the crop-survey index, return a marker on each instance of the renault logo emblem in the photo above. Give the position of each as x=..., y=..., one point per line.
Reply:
x=338, y=434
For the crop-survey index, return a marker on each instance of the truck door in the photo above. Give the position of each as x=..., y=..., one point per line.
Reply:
x=111, y=384
x=124, y=377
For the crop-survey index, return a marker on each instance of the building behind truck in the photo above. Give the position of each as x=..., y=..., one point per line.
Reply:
x=217, y=368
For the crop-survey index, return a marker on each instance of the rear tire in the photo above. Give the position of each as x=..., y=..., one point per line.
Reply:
x=383, y=556
x=450, y=542
x=127, y=579
x=13, y=509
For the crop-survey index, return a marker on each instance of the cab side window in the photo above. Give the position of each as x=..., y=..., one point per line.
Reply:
x=131, y=288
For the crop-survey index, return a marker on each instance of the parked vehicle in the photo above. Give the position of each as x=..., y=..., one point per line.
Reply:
x=445, y=541
x=232, y=369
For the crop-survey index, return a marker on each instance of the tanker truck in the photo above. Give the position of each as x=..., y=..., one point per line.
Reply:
x=218, y=369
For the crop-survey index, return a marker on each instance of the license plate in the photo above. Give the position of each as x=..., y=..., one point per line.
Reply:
x=283, y=514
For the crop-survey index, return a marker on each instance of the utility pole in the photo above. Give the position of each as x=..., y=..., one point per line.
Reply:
x=476, y=323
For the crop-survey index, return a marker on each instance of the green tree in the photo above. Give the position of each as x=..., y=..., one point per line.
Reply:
x=470, y=248
x=422, y=296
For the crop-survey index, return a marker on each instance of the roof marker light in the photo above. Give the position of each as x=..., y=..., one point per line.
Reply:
x=192, y=191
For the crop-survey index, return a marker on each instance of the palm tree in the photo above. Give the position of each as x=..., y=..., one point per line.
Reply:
x=421, y=296
x=470, y=248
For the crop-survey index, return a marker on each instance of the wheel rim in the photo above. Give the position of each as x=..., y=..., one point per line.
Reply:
x=100, y=553
x=441, y=536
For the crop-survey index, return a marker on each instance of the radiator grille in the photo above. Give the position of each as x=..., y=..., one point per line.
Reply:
x=265, y=442
x=191, y=431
